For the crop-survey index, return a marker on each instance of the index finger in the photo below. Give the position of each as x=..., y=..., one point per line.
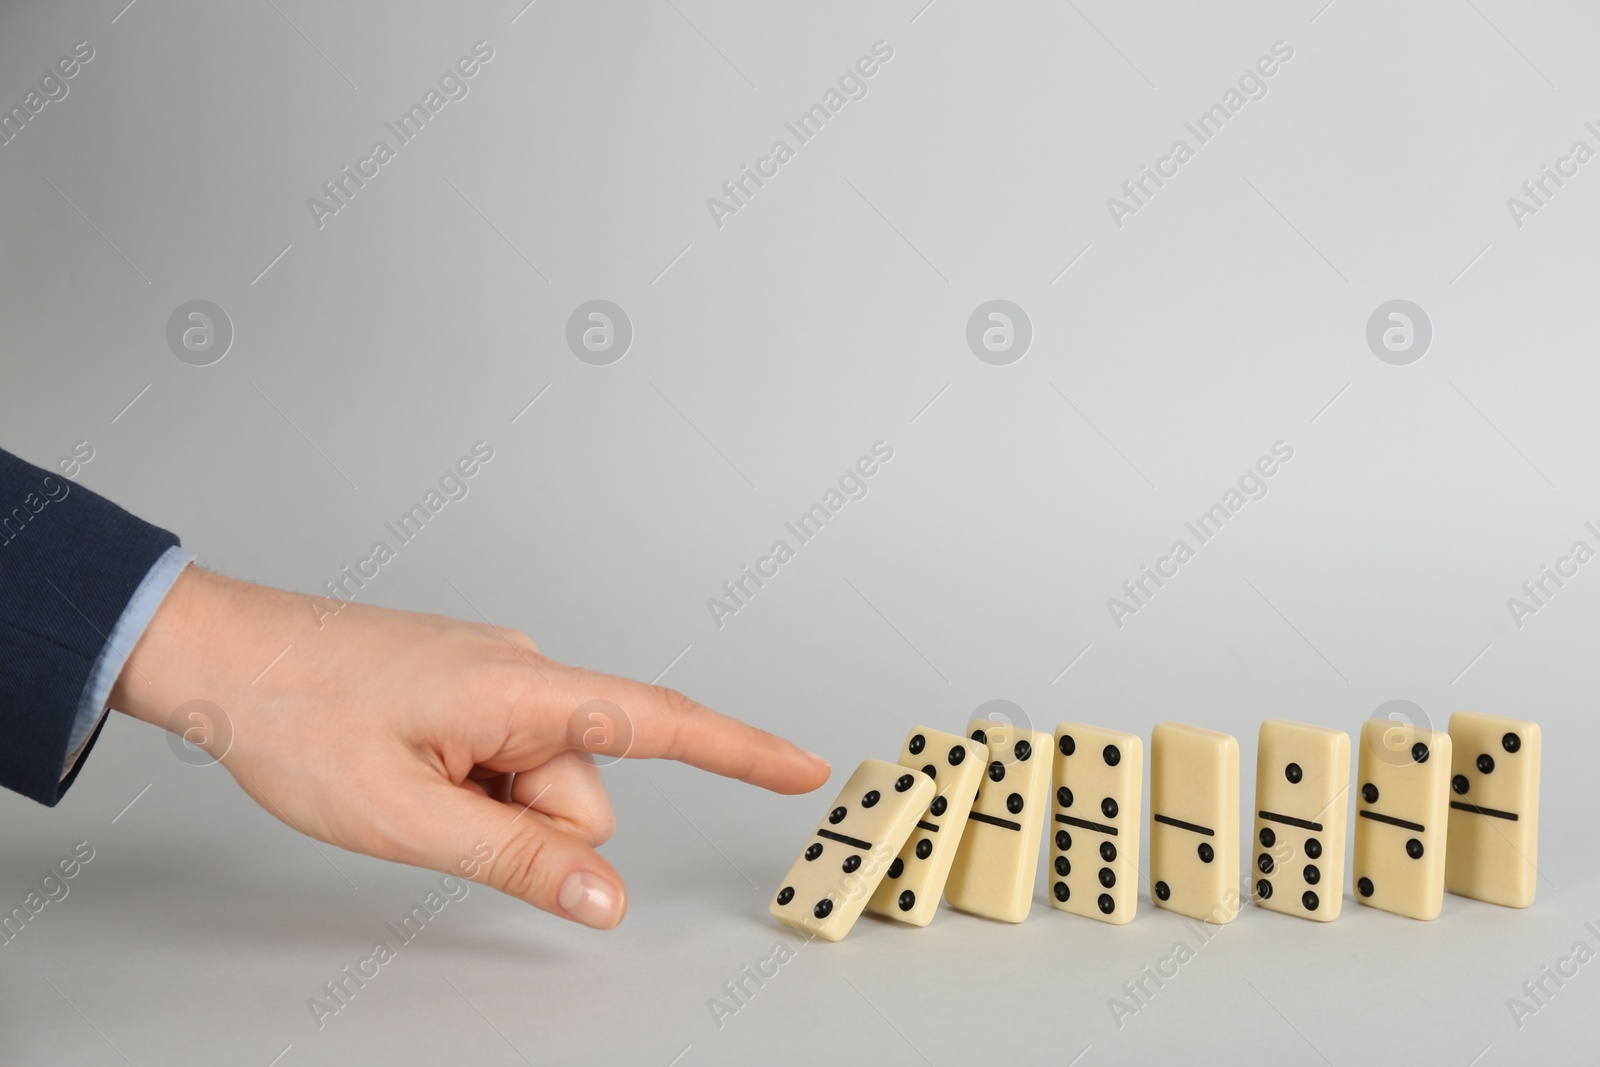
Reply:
x=659, y=723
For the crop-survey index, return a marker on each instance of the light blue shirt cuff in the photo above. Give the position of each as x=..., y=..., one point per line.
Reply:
x=158, y=581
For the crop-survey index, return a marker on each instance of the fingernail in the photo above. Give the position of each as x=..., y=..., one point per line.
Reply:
x=819, y=759
x=589, y=900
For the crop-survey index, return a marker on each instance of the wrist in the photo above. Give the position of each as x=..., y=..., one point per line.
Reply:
x=194, y=648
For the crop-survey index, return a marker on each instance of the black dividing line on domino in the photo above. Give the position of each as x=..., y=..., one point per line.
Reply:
x=1392, y=821
x=1004, y=824
x=853, y=842
x=928, y=826
x=1460, y=805
x=1180, y=824
x=1101, y=827
x=1289, y=820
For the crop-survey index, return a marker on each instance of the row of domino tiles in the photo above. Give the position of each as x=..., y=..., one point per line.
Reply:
x=962, y=817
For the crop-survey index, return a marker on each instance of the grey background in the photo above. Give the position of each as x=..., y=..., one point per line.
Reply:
x=1229, y=313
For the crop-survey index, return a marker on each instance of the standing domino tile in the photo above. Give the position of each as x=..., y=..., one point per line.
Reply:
x=998, y=860
x=1098, y=777
x=830, y=883
x=910, y=892
x=1403, y=776
x=1194, y=822
x=1494, y=809
x=1302, y=790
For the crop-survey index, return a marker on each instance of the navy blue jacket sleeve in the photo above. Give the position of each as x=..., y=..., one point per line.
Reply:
x=69, y=563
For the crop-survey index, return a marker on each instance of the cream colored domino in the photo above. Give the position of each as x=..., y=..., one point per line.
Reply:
x=910, y=891
x=1494, y=809
x=1194, y=822
x=1302, y=791
x=1402, y=793
x=833, y=879
x=1094, y=867
x=998, y=860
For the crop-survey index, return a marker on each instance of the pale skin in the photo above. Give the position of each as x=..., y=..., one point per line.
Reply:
x=427, y=740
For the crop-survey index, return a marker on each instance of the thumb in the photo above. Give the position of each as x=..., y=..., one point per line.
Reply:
x=521, y=852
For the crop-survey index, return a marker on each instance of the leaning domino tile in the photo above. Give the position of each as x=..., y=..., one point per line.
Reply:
x=910, y=891
x=998, y=860
x=828, y=886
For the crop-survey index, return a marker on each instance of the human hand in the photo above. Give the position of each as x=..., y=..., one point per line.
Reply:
x=419, y=738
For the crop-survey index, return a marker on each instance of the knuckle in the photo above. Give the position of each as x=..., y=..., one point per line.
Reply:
x=674, y=701
x=517, y=637
x=523, y=869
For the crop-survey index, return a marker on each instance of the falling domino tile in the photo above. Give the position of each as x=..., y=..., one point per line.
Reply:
x=910, y=892
x=829, y=885
x=998, y=860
